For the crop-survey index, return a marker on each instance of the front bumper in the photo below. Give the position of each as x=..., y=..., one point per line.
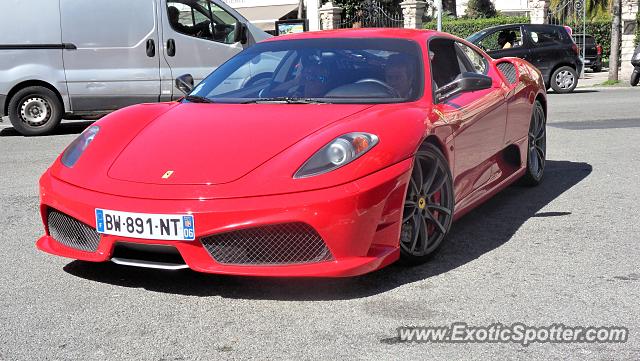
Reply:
x=358, y=221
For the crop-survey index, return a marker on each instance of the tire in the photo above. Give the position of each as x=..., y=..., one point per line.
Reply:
x=428, y=207
x=564, y=80
x=536, y=147
x=35, y=110
x=635, y=77
x=597, y=68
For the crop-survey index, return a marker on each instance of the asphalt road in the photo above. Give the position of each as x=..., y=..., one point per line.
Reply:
x=564, y=252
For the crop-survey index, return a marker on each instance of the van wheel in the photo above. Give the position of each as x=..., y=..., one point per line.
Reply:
x=564, y=79
x=35, y=110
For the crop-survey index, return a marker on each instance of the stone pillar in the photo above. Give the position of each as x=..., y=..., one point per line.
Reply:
x=629, y=25
x=330, y=16
x=539, y=11
x=313, y=16
x=413, y=11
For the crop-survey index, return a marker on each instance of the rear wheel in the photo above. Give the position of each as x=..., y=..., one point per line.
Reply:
x=537, y=147
x=597, y=68
x=428, y=206
x=35, y=110
x=564, y=79
x=635, y=77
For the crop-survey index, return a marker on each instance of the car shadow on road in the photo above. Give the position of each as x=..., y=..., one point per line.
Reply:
x=64, y=128
x=486, y=228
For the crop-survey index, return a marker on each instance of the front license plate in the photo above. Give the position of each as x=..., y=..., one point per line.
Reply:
x=169, y=227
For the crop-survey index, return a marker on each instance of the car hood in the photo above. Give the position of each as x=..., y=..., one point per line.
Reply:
x=210, y=144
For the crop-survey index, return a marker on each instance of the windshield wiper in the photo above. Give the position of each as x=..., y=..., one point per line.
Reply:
x=198, y=99
x=288, y=100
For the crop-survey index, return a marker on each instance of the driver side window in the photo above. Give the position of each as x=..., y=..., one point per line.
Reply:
x=201, y=19
x=506, y=38
x=443, y=70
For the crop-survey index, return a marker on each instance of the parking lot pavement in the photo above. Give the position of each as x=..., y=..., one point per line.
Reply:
x=564, y=252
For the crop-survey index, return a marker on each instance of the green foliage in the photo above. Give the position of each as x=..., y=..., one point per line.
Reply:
x=610, y=83
x=596, y=10
x=600, y=29
x=480, y=9
x=465, y=27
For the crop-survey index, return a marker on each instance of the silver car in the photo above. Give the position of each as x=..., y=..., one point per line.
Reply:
x=81, y=59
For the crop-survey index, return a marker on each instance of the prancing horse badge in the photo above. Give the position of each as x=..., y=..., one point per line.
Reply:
x=167, y=174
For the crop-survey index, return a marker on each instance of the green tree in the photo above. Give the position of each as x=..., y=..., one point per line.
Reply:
x=480, y=9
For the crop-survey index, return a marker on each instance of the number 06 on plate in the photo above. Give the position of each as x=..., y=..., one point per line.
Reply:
x=168, y=227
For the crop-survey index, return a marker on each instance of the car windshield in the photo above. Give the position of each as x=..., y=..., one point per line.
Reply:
x=319, y=71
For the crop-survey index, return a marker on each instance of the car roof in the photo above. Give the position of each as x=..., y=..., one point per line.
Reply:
x=400, y=33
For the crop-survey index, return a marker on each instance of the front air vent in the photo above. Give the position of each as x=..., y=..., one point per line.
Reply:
x=281, y=244
x=71, y=232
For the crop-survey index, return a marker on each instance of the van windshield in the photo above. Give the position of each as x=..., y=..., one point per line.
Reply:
x=319, y=70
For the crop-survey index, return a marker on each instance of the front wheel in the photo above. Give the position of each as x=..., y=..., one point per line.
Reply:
x=536, y=147
x=635, y=77
x=35, y=110
x=564, y=79
x=428, y=206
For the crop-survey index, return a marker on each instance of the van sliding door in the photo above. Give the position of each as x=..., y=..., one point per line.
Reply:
x=117, y=60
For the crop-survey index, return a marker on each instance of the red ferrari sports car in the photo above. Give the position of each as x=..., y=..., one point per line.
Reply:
x=329, y=154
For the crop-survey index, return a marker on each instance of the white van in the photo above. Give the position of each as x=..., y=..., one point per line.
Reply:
x=80, y=58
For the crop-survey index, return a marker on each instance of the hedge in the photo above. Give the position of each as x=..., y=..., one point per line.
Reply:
x=600, y=29
x=465, y=27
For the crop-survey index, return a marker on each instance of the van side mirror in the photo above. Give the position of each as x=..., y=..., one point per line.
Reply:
x=185, y=83
x=468, y=82
x=241, y=33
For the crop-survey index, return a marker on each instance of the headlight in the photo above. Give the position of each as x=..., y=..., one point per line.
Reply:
x=341, y=151
x=78, y=146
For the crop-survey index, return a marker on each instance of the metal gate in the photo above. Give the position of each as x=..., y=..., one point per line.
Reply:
x=374, y=14
x=573, y=13
x=567, y=12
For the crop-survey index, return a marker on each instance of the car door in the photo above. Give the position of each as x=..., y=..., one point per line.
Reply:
x=547, y=47
x=505, y=42
x=112, y=59
x=195, y=41
x=478, y=118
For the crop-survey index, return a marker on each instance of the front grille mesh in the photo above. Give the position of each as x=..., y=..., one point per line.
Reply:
x=71, y=232
x=509, y=71
x=289, y=243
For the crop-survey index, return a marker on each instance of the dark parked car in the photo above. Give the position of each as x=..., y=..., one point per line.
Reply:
x=593, y=51
x=549, y=48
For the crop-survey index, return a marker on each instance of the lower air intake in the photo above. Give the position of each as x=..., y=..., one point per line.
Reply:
x=289, y=243
x=71, y=232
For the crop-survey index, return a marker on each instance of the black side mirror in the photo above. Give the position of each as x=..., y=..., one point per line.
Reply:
x=241, y=33
x=468, y=82
x=185, y=83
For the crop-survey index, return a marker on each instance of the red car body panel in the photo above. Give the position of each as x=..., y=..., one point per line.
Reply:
x=356, y=209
